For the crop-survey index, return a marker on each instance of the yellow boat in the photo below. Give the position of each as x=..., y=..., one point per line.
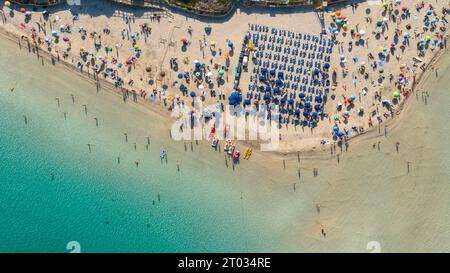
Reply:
x=248, y=153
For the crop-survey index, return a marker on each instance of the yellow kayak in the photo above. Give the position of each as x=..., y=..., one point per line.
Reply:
x=248, y=153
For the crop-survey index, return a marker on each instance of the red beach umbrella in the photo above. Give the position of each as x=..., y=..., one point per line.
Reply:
x=23, y=10
x=404, y=8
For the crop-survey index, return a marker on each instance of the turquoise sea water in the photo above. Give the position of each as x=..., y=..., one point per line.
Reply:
x=111, y=207
x=90, y=198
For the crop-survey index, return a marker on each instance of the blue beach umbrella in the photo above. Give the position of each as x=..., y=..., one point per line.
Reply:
x=262, y=78
x=180, y=75
x=301, y=95
x=230, y=44
x=193, y=94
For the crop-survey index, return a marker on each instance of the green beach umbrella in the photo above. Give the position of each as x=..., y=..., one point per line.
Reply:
x=336, y=117
x=396, y=94
x=198, y=74
x=381, y=70
x=221, y=72
x=208, y=28
x=385, y=4
x=428, y=38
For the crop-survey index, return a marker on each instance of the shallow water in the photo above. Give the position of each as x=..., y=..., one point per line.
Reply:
x=106, y=206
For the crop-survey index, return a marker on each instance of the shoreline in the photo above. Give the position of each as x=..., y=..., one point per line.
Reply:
x=306, y=152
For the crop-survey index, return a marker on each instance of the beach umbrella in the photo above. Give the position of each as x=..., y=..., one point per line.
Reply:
x=23, y=10
x=362, y=32
x=406, y=35
x=428, y=38
x=336, y=129
x=272, y=72
x=208, y=28
x=338, y=13
x=264, y=70
x=192, y=94
x=197, y=65
x=209, y=74
x=291, y=101
x=54, y=33
x=180, y=75
x=198, y=74
x=396, y=94
x=196, y=61
x=352, y=97
x=307, y=105
x=262, y=78
x=316, y=72
x=404, y=8
x=213, y=43
x=301, y=95
x=266, y=96
x=230, y=44
x=221, y=72
x=326, y=66
x=279, y=82
x=235, y=98
x=297, y=112
x=429, y=12
x=336, y=117
x=247, y=102
x=201, y=87
x=385, y=4
x=276, y=91
x=379, y=24
x=183, y=39
x=268, y=88
x=381, y=70
x=280, y=74
x=7, y=4
x=136, y=47
x=340, y=134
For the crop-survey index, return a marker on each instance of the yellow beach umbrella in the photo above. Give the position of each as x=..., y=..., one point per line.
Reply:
x=7, y=4
x=136, y=47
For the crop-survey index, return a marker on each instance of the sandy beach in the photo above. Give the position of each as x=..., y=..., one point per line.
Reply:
x=375, y=192
x=102, y=40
